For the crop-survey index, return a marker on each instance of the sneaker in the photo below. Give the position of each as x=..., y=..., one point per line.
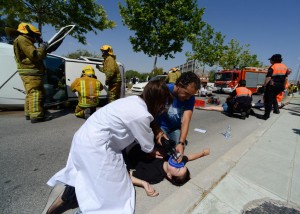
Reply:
x=27, y=117
x=281, y=106
x=87, y=113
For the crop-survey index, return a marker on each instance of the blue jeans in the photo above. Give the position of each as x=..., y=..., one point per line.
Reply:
x=173, y=135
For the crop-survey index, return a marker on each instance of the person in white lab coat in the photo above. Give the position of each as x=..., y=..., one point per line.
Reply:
x=95, y=174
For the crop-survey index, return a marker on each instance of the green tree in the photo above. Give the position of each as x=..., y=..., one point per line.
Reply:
x=130, y=74
x=211, y=76
x=248, y=60
x=207, y=47
x=79, y=53
x=156, y=71
x=7, y=21
x=86, y=15
x=161, y=27
x=230, y=58
x=143, y=77
x=236, y=56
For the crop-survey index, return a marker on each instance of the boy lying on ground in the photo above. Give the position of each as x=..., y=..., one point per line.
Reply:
x=153, y=170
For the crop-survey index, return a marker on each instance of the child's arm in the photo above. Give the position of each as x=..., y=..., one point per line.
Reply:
x=150, y=191
x=197, y=155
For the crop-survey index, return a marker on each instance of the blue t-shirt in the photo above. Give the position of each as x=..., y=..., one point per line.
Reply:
x=171, y=120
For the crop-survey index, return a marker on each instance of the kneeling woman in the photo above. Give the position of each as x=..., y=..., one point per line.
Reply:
x=95, y=166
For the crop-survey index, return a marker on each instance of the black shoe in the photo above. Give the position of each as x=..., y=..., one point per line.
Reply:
x=263, y=117
x=41, y=119
x=87, y=113
x=276, y=111
x=281, y=106
x=243, y=115
x=27, y=117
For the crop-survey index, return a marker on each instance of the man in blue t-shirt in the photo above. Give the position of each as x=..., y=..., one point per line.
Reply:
x=175, y=122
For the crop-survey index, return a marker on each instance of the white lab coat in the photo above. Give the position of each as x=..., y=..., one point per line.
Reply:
x=95, y=165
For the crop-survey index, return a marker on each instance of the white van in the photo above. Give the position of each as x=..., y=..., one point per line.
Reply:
x=61, y=72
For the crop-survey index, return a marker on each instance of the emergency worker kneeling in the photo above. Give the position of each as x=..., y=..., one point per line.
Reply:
x=88, y=88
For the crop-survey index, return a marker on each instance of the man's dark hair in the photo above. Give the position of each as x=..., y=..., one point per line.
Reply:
x=242, y=83
x=187, y=78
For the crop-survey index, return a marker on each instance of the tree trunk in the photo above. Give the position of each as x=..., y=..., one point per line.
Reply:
x=155, y=61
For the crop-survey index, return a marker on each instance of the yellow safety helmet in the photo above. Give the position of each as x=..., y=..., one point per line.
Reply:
x=88, y=70
x=27, y=29
x=107, y=48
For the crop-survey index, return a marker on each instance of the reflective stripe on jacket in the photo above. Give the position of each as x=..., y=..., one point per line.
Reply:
x=89, y=90
x=29, y=59
x=243, y=91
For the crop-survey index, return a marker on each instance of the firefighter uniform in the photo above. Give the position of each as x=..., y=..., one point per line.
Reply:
x=31, y=69
x=277, y=73
x=178, y=73
x=88, y=88
x=172, y=76
x=112, y=73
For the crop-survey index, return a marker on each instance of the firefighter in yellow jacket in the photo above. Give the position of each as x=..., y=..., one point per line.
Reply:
x=172, y=76
x=88, y=88
x=112, y=73
x=30, y=67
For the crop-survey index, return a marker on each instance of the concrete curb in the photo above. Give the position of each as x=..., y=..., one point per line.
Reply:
x=187, y=197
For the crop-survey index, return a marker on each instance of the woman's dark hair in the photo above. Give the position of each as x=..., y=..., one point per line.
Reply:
x=187, y=78
x=156, y=96
x=180, y=180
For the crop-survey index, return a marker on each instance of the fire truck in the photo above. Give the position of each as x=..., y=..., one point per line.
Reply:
x=227, y=80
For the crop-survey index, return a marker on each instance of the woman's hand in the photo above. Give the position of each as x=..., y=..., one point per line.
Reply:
x=157, y=154
x=159, y=136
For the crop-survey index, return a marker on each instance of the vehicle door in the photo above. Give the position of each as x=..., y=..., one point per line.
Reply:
x=55, y=81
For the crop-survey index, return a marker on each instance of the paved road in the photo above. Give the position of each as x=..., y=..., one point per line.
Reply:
x=32, y=153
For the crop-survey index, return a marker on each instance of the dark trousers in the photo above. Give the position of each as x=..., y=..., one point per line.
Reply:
x=270, y=98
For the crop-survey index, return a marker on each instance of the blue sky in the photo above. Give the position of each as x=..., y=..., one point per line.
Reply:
x=268, y=26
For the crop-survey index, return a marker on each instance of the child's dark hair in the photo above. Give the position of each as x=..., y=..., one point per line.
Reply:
x=180, y=180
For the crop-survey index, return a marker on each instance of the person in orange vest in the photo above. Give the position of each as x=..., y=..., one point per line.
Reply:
x=240, y=100
x=279, y=97
x=274, y=84
x=88, y=88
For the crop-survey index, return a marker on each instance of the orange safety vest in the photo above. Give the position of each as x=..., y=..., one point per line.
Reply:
x=279, y=69
x=243, y=91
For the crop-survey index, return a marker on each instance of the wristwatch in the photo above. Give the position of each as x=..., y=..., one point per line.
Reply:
x=182, y=143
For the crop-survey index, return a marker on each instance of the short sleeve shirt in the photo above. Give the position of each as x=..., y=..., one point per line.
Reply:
x=171, y=120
